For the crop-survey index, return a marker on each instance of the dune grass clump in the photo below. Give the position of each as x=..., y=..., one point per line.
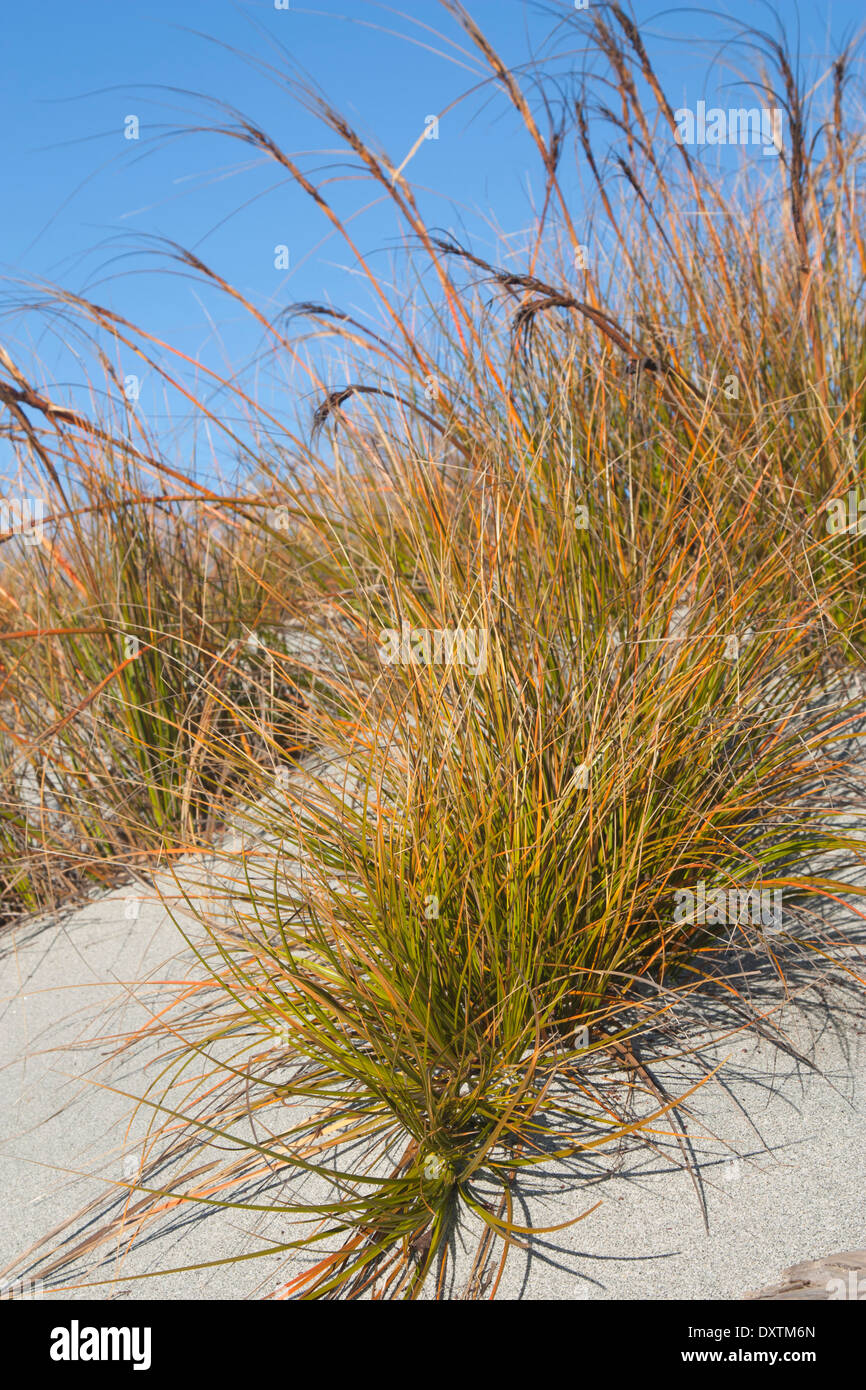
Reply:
x=489, y=891
x=438, y=949
x=140, y=657
x=574, y=642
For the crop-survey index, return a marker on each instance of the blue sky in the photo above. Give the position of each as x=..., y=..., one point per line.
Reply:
x=81, y=198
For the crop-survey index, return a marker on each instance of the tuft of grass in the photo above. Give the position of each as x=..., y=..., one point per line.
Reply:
x=140, y=664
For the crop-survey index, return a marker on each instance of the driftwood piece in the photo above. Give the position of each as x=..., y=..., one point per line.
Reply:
x=833, y=1277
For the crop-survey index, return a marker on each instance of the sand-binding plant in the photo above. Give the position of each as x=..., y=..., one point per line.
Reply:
x=576, y=638
x=140, y=649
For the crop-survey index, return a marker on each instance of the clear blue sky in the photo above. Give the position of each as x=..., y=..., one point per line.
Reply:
x=80, y=197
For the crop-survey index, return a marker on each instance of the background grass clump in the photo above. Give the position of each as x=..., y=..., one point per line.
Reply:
x=142, y=662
